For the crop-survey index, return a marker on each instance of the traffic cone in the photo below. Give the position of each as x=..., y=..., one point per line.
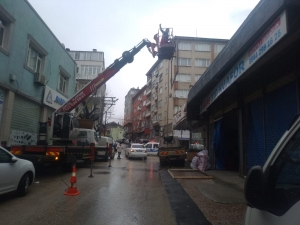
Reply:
x=72, y=190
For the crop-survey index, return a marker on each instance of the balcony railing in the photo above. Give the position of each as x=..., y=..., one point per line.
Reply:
x=148, y=103
x=148, y=92
x=148, y=113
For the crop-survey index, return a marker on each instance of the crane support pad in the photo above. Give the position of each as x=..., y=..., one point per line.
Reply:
x=188, y=174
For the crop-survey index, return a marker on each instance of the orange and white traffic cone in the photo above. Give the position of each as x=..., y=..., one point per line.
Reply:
x=72, y=190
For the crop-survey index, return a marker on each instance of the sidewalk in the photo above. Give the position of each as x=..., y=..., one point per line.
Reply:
x=221, y=199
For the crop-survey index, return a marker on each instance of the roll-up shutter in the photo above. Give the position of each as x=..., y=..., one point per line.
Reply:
x=254, y=134
x=280, y=108
x=25, y=115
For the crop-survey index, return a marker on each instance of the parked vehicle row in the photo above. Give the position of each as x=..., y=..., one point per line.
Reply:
x=15, y=174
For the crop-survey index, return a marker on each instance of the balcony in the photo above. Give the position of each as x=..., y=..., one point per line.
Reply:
x=149, y=82
x=148, y=103
x=155, y=98
x=155, y=110
x=148, y=114
x=148, y=92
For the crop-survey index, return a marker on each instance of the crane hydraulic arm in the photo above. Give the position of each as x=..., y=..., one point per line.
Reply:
x=91, y=87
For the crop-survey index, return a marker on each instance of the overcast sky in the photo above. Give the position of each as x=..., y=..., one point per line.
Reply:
x=114, y=26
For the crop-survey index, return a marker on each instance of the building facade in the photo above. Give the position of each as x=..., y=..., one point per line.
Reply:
x=89, y=65
x=170, y=81
x=140, y=123
x=128, y=110
x=34, y=81
x=247, y=98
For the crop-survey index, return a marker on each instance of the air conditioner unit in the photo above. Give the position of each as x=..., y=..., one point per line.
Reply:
x=40, y=78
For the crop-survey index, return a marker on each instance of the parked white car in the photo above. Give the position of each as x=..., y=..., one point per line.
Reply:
x=136, y=150
x=15, y=174
x=152, y=148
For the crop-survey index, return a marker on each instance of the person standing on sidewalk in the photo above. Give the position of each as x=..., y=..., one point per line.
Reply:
x=119, y=149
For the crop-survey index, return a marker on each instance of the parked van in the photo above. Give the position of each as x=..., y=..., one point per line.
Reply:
x=152, y=148
x=273, y=191
x=106, y=142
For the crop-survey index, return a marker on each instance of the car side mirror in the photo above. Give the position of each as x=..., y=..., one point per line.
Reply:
x=14, y=159
x=254, y=188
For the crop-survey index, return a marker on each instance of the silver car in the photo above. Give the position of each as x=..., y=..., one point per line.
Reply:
x=15, y=174
x=136, y=150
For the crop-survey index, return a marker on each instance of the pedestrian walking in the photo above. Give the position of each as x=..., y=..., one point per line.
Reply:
x=119, y=149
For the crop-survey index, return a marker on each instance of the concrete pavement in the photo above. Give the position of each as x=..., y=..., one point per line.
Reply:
x=220, y=199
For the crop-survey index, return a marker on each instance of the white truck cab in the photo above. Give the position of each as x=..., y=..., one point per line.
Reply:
x=273, y=191
x=86, y=137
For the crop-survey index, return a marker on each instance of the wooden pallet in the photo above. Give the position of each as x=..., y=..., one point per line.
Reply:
x=188, y=174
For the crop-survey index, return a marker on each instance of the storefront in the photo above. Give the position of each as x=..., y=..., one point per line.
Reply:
x=250, y=93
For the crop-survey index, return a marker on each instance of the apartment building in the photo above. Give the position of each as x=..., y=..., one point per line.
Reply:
x=34, y=82
x=170, y=81
x=89, y=65
x=128, y=110
x=141, y=123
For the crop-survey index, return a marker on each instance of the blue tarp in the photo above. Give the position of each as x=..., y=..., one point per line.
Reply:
x=219, y=145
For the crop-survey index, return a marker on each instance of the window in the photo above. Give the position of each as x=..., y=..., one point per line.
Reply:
x=89, y=56
x=2, y=31
x=4, y=157
x=202, y=62
x=159, y=104
x=90, y=70
x=183, y=77
x=159, y=117
x=63, y=81
x=176, y=109
x=181, y=93
x=197, y=76
x=284, y=177
x=184, y=62
x=165, y=100
x=160, y=90
x=184, y=46
x=144, y=102
x=166, y=85
x=62, y=84
x=34, y=59
x=161, y=65
x=202, y=47
x=218, y=48
x=160, y=77
x=35, y=56
x=6, y=21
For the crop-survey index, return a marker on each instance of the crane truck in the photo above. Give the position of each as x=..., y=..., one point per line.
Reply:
x=65, y=126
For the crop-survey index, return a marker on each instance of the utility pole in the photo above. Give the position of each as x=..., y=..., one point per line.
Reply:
x=108, y=101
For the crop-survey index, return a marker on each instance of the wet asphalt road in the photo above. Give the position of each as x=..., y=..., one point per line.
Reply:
x=129, y=192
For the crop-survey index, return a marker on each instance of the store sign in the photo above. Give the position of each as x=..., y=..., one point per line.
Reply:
x=270, y=37
x=53, y=99
x=2, y=97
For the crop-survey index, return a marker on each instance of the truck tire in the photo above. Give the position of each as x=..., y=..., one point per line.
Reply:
x=23, y=185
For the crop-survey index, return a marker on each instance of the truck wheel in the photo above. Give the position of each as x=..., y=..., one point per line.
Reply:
x=23, y=185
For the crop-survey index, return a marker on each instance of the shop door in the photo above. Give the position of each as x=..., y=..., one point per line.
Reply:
x=231, y=140
x=219, y=145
